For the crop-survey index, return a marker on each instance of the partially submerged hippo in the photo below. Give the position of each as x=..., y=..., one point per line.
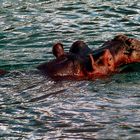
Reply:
x=2, y=72
x=82, y=63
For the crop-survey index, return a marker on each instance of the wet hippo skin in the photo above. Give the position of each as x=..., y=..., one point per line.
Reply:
x=80, y=63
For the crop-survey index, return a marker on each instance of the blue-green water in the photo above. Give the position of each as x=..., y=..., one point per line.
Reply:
x=33, y=106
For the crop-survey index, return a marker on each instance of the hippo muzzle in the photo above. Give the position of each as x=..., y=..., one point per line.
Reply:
x=133, y=51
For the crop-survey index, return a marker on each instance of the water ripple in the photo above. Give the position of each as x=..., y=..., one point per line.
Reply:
x=35, y=107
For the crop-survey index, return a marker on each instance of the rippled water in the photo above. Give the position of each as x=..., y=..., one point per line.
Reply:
x=33, y=106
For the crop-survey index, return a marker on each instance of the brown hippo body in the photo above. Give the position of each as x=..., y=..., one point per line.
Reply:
x=83, y=63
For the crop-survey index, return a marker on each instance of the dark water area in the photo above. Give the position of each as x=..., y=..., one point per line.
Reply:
x=34, y=107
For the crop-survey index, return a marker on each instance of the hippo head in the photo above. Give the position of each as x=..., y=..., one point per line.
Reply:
x=83, y=63
x=66, y=66
x=124, y=50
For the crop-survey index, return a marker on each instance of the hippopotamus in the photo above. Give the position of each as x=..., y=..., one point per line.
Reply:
x=82, y=63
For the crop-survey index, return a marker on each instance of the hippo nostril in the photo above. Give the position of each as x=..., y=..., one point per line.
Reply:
x=128, y=42
x=120, y=37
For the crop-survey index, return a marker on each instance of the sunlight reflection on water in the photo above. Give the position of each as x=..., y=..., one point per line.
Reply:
x=35, y=107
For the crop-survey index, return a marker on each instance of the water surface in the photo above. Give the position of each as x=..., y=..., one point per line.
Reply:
x=35, y=107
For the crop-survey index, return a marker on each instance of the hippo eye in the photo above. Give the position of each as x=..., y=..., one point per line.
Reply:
x=129, y=51
x=128, y=42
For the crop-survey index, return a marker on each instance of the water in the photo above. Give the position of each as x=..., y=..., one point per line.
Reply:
x=37, y=108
